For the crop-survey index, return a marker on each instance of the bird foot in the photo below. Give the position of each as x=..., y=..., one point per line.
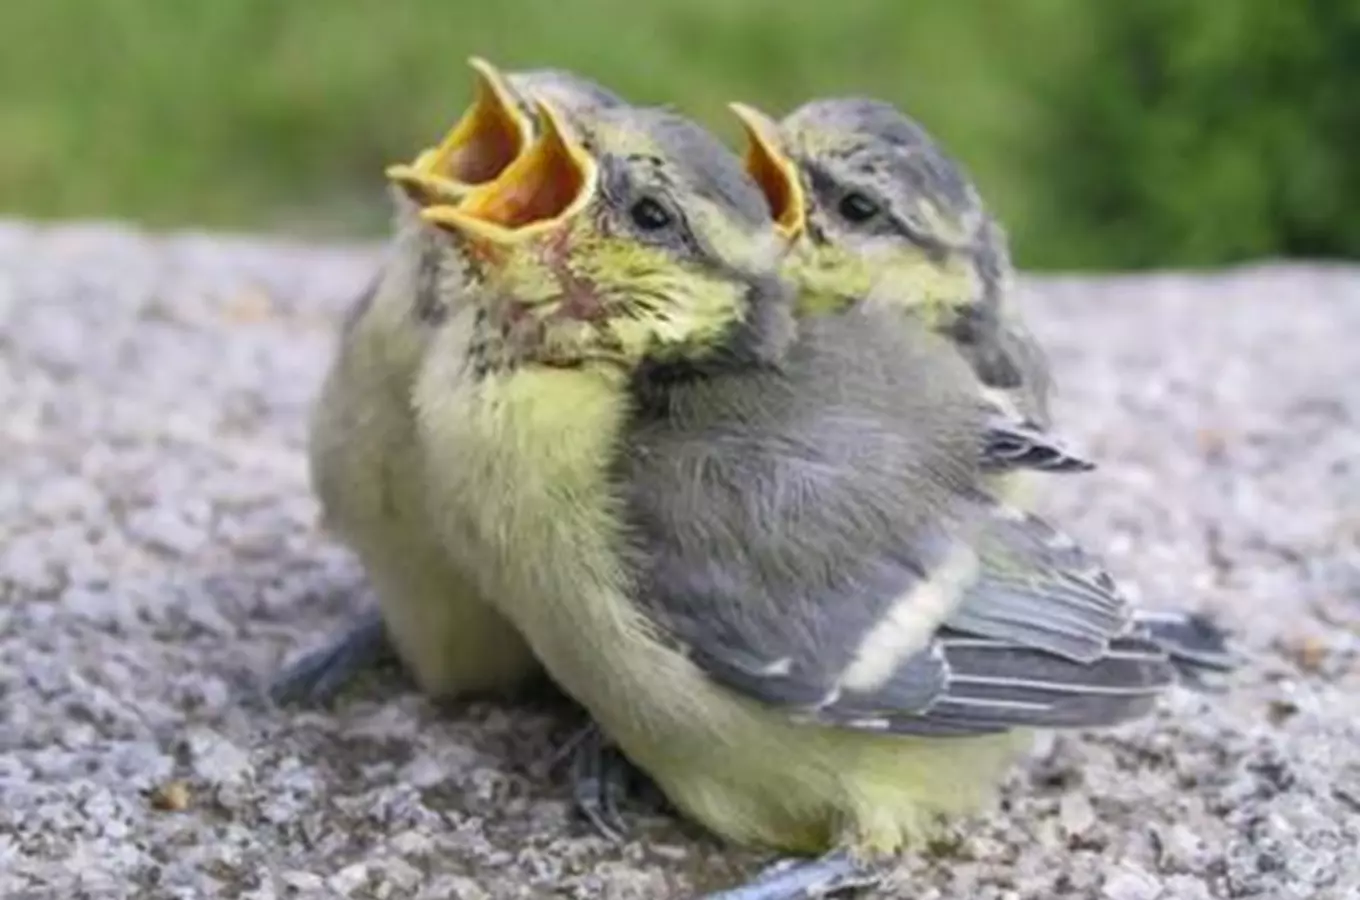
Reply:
x=318, y=676
x=600, y=780
x=803, y=879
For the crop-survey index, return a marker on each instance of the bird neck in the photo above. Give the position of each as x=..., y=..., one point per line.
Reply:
x=523, y=496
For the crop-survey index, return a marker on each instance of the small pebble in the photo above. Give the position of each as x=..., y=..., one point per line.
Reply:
x=173, y=796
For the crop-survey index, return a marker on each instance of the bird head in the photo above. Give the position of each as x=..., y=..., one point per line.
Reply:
x=867, y=198
x=630, y=238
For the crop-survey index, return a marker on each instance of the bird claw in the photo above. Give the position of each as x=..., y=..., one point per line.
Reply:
x=318, y=676
x=599, y=782
x=803, y=879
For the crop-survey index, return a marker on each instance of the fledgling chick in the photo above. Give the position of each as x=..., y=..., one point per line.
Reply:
x=761, y=556
x=362, y=451
x=876, y=211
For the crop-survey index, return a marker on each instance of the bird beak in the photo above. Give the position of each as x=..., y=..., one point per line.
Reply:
x=484, y=140
x=546, y=186
x=773, y=170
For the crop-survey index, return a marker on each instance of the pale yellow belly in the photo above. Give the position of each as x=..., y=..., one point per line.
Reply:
x=366, y=471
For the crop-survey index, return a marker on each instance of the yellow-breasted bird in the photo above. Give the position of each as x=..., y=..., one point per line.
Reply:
x=760, y=552
x=362, y=450
x=875, y=209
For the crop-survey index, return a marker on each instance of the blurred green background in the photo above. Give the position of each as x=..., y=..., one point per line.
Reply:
x=1155, y=133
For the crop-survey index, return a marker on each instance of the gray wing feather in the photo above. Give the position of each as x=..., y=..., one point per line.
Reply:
x=1198, y=646
x=1010, y=444
x=774, y=531
x=995, y=681
x=1042, y=590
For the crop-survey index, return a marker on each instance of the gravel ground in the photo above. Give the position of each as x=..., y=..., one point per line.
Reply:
x=159, y=559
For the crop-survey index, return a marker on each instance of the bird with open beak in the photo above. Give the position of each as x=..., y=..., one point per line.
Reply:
x=876, y=211
x=362, y=450
x=760, y=551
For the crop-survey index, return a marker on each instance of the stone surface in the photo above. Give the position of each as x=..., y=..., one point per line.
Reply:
x=159, y=559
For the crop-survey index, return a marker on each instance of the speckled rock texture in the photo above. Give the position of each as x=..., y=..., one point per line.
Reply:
x=159, y=558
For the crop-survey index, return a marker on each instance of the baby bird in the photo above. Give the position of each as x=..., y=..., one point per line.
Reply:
x=758, y=551
x=876, y=211
x=362, y=452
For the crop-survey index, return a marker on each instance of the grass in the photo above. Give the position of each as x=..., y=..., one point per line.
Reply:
x=269, y=115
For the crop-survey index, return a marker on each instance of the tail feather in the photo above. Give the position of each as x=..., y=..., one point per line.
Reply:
x=1198, y=646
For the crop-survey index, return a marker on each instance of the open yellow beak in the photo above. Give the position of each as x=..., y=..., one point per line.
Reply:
x=547, y=185
x=773, y=170
x=484, y=140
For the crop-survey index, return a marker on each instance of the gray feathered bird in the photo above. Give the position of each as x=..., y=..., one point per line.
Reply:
x=876, y=211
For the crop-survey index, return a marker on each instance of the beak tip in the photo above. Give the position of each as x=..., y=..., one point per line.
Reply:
x=557, y=128
x=547, y=113
x=434, y=217
x=754, y=119
x=482, y=66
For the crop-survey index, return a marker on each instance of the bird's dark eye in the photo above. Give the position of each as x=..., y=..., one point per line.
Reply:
x=856, y=207
x=649, y=215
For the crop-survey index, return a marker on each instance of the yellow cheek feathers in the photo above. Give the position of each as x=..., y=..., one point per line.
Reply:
x=539, y=193
x=773, y=170
x=485, y=140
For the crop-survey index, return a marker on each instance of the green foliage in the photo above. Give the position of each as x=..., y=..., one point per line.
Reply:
x=1203, y=133
x=1183, y=132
